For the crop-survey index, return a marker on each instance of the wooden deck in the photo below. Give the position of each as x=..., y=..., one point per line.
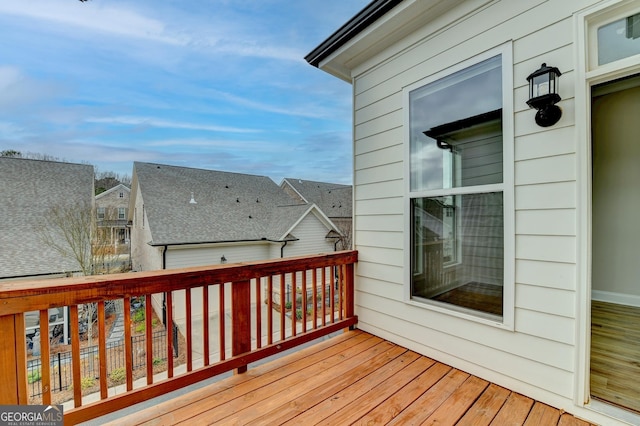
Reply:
x=353, y=378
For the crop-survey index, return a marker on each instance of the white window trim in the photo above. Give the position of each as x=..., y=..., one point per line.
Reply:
x=605, y=14
x=507, y=189
x=586, y=76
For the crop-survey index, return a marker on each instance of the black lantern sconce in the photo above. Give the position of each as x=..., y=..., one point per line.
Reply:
x=223, y=259
x=543, y=95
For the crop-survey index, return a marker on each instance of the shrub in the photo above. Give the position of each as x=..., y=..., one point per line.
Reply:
x=87, y=382
x=33, y=376
x=138, y=316
x=118, y=375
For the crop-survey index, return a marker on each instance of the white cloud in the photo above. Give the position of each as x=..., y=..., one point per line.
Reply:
x=155, y=122
x=10, y=131
x=94, y=16
x=18, y=90
x=298, y=111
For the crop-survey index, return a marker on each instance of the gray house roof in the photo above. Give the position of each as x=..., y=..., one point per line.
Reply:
x=28, y=190
x=334, y=199
x=227, y=206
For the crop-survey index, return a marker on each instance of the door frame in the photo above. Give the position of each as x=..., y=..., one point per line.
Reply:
x=588, y=74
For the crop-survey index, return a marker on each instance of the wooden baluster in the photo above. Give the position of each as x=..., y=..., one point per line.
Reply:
x=205, y=323
x=128, y=349
x=241, y=316
x=270, y=310
x=315, y=298
x=189, y=336
x=332, y=294
x=340, y=292
x=75, y=355
x=102, y=351
x=45, y=354
x=221, y=323
x=258, y=313
x=148, y=317
x=169, y=327
x=294, y=307
x=304, y=301
x=283, y=309
x=324, y=296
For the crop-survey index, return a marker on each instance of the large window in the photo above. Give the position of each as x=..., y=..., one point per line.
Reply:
x=456, y=190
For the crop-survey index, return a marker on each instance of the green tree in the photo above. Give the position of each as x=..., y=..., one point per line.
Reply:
x=10, y=153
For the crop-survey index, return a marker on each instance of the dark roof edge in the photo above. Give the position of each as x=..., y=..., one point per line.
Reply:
x=195, y=243
x=352, y=28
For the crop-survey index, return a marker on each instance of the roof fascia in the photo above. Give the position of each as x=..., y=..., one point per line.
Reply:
x=347, y=55
x=319, y=214
x=350, y=29
x=109, y=191
x=285, y=181
x=199, y=243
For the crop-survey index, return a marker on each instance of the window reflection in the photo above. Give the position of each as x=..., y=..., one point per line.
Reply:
x=619, y=39
x=460, y=96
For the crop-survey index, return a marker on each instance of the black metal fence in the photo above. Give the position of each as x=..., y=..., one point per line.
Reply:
x=62, y=374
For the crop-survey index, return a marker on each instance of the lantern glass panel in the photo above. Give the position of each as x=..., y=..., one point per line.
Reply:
x=541, y=85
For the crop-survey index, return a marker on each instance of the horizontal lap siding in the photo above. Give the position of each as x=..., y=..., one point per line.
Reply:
x=539, y=356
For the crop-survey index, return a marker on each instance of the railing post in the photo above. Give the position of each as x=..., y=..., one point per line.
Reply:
x=349, y=290
x=13, y=353
x=241, y=319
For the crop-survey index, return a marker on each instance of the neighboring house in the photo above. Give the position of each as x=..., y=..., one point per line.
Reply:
x=29, y=190
x=112, y=211
x=485, y=239
x=333, y=199
x=185, y=217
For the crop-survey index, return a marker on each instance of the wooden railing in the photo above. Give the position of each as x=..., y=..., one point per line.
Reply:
x=228, y=316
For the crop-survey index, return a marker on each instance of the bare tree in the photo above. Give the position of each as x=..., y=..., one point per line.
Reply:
x=72, y=232
x=69, y=230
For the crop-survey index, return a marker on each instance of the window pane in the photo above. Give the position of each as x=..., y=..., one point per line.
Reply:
x=456, y=129
x=458, y=251
x=619, y=39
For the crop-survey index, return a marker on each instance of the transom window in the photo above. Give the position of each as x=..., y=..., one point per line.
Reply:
x=456, y=190
x=619, y=39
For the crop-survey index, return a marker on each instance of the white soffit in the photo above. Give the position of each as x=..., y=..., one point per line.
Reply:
x=395, y=25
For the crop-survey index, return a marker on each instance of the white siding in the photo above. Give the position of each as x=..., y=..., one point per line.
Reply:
x=143, y=256
x=203, y=255
x=538, y=357
x=310, y=233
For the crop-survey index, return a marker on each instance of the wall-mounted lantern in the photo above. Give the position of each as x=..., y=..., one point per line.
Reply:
x=223, y=259
x=543, y=95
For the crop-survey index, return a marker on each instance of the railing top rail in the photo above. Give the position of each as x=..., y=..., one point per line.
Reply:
x=24, y=296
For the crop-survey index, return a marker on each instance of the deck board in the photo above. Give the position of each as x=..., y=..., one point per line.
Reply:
x=353, y=378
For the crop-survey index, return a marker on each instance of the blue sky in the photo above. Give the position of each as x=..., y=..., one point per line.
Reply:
x=216, y=84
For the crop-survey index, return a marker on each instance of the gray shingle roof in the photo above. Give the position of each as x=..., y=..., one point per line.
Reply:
x=229, y=206
x=333, y=199
x=28, y=190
